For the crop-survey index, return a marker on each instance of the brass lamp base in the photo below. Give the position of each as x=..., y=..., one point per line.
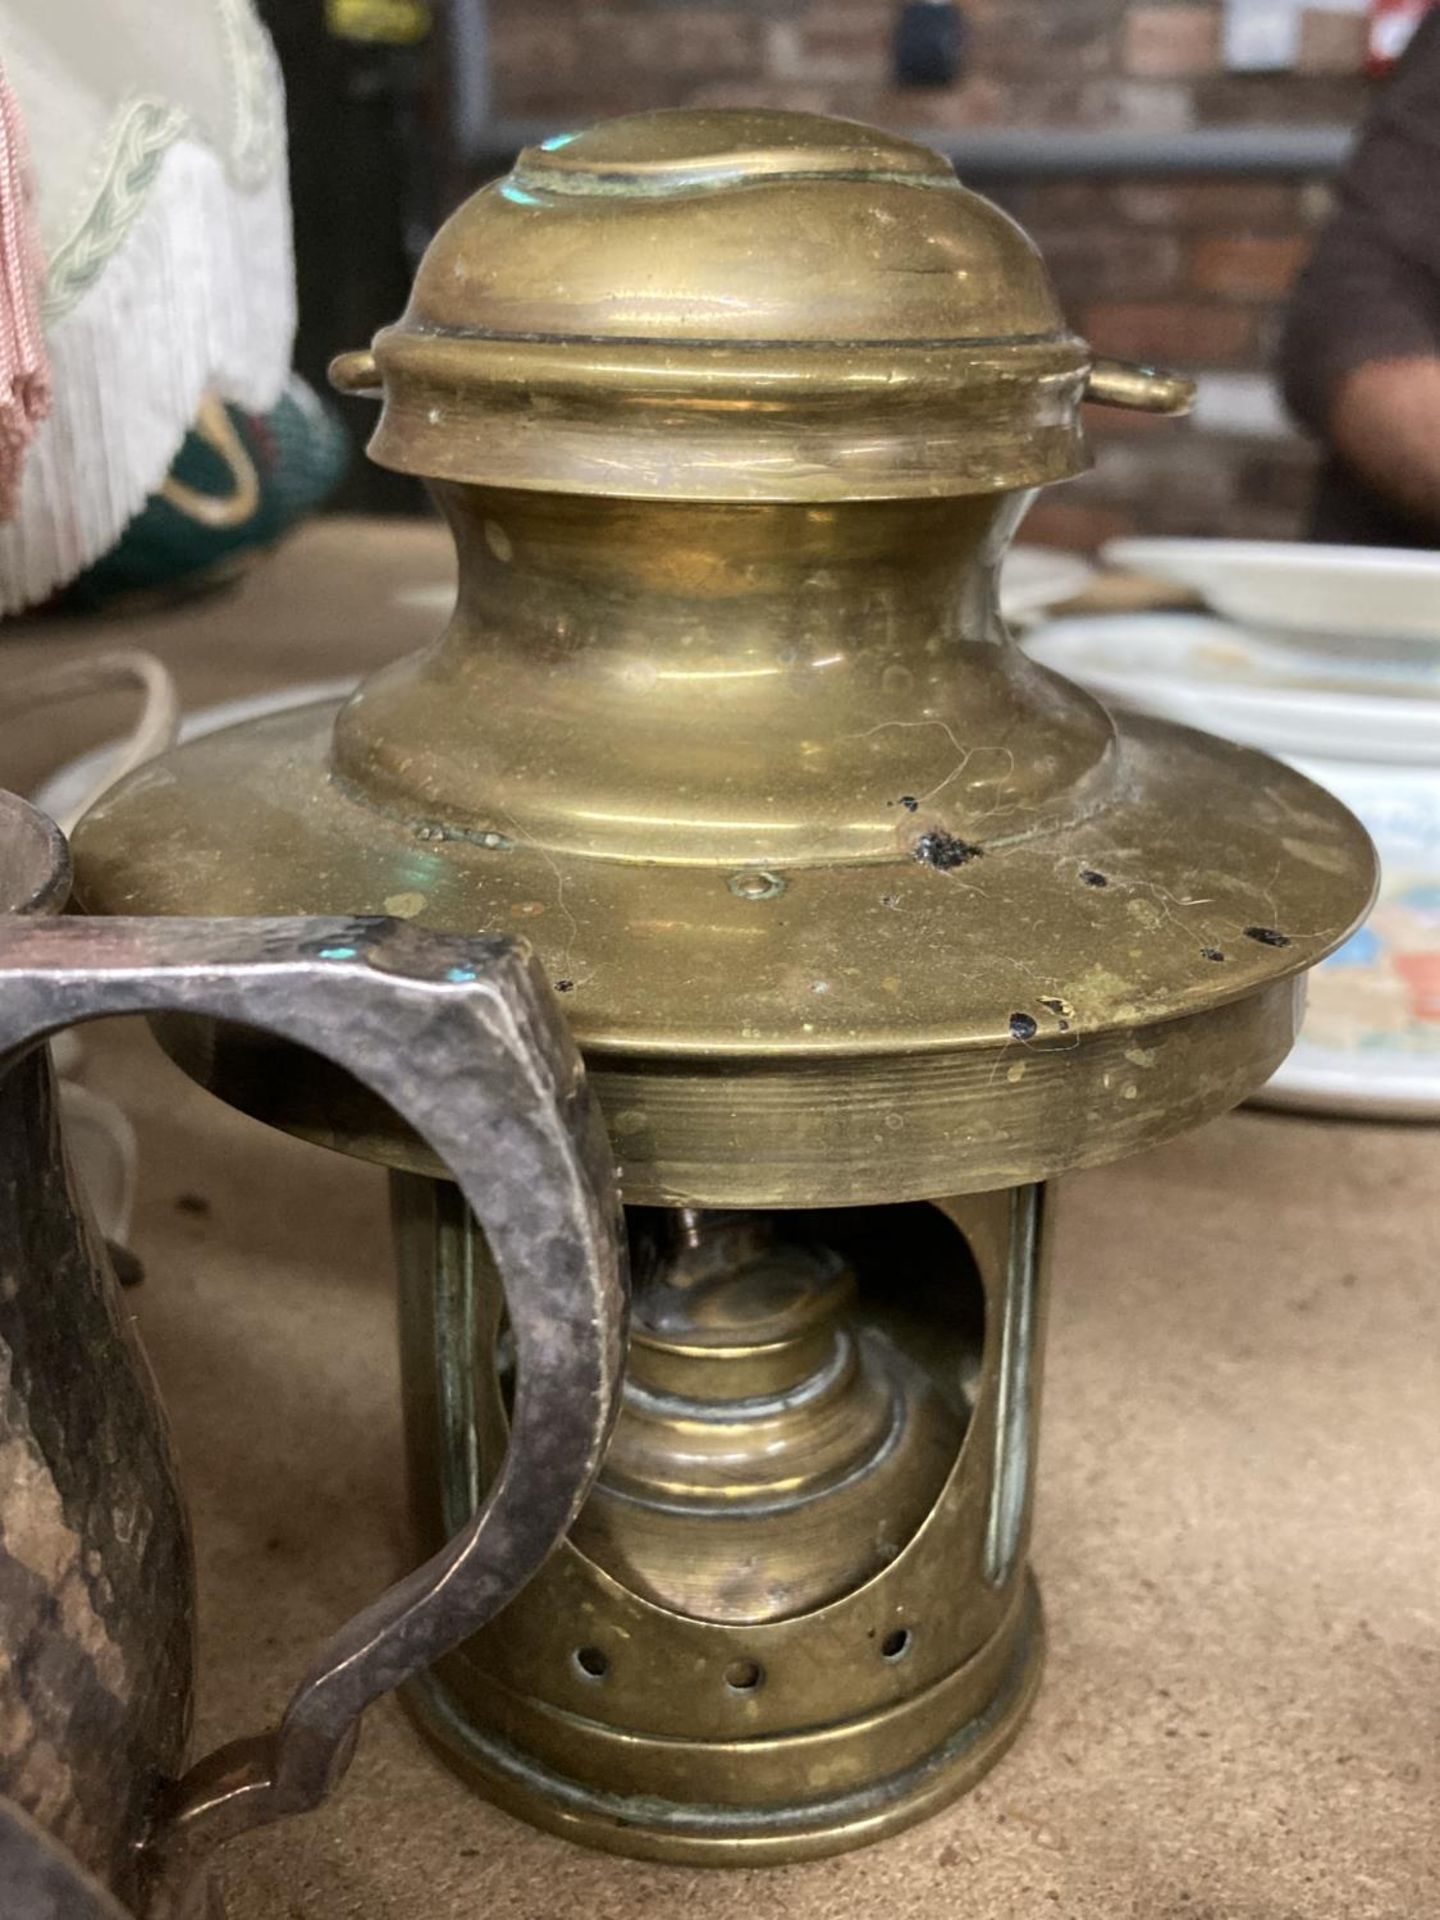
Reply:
x=651, y=1827
x=795, y=1613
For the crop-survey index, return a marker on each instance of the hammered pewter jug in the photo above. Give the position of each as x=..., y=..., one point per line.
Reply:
x=97, y=1805
x=866, y=925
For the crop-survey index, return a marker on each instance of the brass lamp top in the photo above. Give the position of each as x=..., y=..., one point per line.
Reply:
x=732, y=417
x=731, y=306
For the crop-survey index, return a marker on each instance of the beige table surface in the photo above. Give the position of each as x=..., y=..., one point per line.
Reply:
x=1238, y=1530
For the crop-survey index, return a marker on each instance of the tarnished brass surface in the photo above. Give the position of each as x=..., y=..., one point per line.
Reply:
x=732, y=417
x=846, y=898
x=841, y=1654
x=784, y=815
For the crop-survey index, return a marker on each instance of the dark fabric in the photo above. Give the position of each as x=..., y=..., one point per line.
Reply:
x=1372, y=289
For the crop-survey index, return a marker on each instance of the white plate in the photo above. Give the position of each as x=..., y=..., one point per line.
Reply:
x=1371, y=1039
x=64, y=793
x=1373, y=594
x=1327, y=1080
x=1033, y=579
x=1232, y=681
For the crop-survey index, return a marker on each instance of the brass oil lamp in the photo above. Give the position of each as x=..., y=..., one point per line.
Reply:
x=866, y=927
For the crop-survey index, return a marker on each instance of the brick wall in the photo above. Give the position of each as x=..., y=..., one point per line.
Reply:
x=1192, y=273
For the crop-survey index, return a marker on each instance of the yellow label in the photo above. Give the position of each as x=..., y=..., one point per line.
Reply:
x=395, y=23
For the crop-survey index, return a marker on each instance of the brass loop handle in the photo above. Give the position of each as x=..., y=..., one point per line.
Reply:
x=355, y=372
x=1120, y=383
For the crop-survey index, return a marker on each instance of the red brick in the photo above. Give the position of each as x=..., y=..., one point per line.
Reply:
x=1055, y=203
x=976, y=102
x=1260, y=99
x=1191, y=335
x=657, y=55
x=1237, y=204
x=1332, y=42
x=1186, y=484
x=1247, y=266
x=858, y=35
x=1171, y=42
x=1105, y=262
x=1076, y=37
x=1144, y=106
x=534, y=50
x=782, y=94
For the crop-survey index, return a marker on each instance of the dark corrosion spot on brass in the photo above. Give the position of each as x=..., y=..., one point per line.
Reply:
x=743, y=1676
x=1022, y=1027
x=128, y=1268
x=592, y=1662
x=564, y=986
x=1054, y=1006
x=896, y=1644
x=1211, y=953
x=193, y=1203
x=909, y=802
x=945, y=851
x=1267, y=937
x=1092, y=878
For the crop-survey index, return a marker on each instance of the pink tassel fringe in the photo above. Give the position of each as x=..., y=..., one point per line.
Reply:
x=24, y=368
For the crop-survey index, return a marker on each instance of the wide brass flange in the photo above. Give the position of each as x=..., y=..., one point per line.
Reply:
x=733, y=416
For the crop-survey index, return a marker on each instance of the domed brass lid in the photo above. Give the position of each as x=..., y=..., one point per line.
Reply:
x=653, y=308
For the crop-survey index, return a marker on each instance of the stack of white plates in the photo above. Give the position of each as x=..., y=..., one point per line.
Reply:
x=1330, y=658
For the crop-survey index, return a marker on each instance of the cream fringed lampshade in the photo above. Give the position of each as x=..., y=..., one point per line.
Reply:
x=158, y=152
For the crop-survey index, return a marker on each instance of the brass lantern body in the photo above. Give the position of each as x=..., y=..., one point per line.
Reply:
x=866, y=925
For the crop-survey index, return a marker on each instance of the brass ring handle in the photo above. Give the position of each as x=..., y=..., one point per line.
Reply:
x=477, y=1059
x=1120, y=383
x=355, y=372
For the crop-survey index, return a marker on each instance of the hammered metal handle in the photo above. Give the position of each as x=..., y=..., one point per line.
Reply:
x=1120, y=383
x=462, y=1039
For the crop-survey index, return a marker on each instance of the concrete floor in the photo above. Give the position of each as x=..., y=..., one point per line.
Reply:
x=1238, y=1530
